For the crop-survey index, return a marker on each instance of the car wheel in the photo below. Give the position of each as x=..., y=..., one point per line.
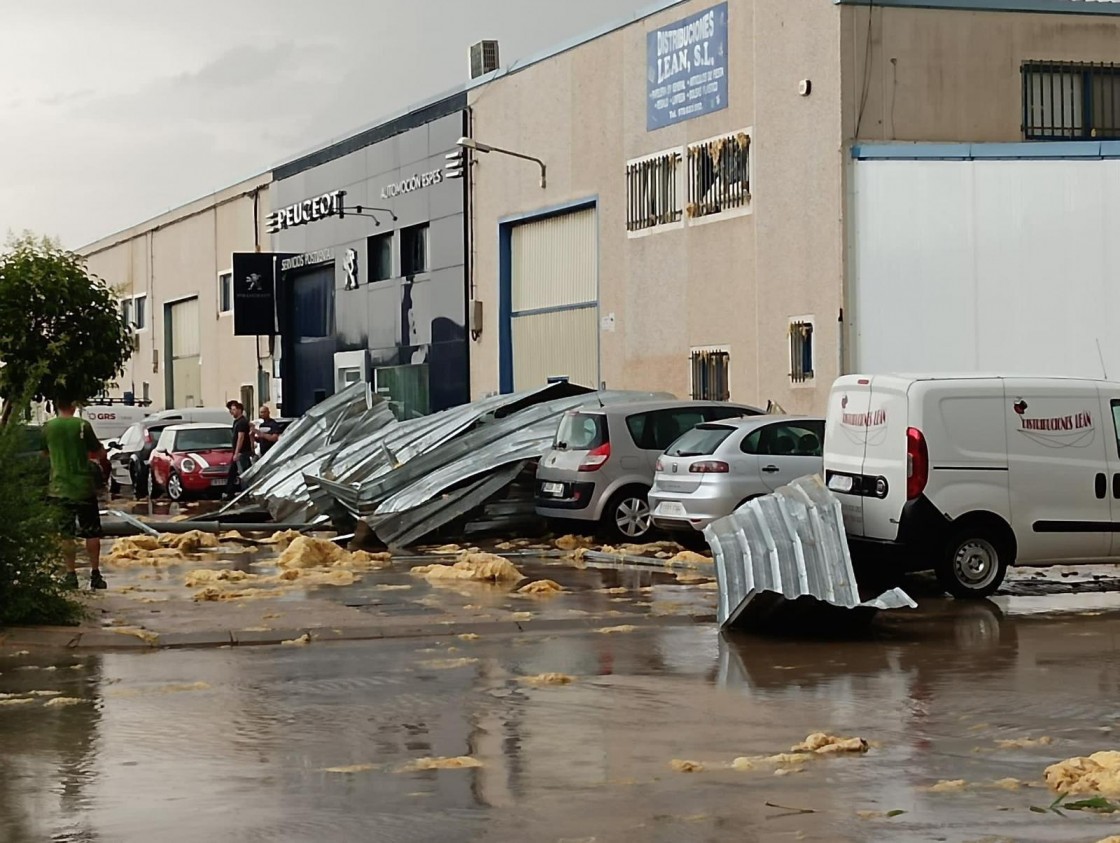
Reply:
x=175, y=489
x=627, y=516
x=974, y=562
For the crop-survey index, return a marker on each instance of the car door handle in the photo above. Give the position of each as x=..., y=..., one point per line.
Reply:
x=771, y=469
x=1101, y=485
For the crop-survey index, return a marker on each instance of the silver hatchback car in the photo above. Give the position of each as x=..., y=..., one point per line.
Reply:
x=715, y=468
x=601, y=466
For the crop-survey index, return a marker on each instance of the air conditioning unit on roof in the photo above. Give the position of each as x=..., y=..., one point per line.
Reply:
x=484, y=58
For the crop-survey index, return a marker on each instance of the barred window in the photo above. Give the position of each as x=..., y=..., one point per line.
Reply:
x=719, y=177
x=652, y=195
x=801, y=351
x=1071, y=101
x=710, y=375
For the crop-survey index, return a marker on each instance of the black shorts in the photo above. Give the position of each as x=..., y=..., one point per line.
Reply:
x=78, y=519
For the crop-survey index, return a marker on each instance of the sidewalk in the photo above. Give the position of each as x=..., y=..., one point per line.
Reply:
x=149, y=606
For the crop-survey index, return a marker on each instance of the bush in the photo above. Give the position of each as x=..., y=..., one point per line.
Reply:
x=32, y=590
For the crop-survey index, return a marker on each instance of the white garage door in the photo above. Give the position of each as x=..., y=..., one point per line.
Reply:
x=554, y=300
x=186, y=359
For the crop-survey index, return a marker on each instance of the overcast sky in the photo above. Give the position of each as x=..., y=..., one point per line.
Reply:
x=116, y=110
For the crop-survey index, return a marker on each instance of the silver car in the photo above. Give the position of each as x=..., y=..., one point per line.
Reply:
x=715, y=468
x=601, y=466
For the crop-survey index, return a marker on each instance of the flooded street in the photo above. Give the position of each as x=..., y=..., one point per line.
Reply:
x=295, y=743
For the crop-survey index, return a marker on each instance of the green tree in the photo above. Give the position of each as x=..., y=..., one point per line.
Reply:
x=61, y=333
x=31, y=587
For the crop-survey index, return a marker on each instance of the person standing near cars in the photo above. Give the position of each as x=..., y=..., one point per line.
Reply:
x=267, y=432
x=242, y=446
x=70, y=443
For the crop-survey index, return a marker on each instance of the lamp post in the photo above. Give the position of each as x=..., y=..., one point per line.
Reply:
x=485, y=148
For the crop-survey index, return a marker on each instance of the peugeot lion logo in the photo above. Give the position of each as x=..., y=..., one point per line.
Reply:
x=350, y=267
x=253, y=282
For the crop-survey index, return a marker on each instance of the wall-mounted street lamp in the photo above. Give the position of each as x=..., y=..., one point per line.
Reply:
x=361, y=211
x=476, y=146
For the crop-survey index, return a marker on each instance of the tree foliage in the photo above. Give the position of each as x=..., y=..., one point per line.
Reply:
x=32, y=590
x=61, y=333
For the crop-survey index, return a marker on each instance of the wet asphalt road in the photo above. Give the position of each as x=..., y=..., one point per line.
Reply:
x=237, y=744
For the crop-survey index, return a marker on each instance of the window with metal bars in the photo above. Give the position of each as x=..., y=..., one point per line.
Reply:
x=652, y=194
x=710, y=375
x=801, y=351
x=719, y=175
x=1071, y=101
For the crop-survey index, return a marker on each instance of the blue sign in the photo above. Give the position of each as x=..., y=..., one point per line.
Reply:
x=686, y=68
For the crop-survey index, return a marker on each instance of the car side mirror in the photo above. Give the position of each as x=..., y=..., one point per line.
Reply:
x=114, y=444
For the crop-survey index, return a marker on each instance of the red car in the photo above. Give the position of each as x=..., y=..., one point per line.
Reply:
x=191, y=459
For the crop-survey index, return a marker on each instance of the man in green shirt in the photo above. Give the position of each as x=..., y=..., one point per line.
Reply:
x=70, y=443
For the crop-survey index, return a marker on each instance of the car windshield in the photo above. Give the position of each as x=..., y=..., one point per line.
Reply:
x=208, y=439
x=581, y=432
x=700, y=441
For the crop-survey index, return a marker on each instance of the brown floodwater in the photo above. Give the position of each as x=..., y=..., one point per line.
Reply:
x=306, y=743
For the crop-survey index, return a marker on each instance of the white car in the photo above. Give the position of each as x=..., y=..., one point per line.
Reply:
x=718, y=466
x=969, y=474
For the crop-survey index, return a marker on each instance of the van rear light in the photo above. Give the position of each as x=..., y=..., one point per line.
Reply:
x=709, y=467
x=596, y=458
x=660, y=466
x=917, y=463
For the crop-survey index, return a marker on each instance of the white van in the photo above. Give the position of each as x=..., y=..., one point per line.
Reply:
x=109, y=421
x=969, y=474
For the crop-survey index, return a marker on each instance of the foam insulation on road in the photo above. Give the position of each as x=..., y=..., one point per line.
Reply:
x=686, y=766
x=1099, y=773
x=824, y=744
x=542, y=588
x=545, y=680
x=188, y=542
x=460, y=763
x=477, y=567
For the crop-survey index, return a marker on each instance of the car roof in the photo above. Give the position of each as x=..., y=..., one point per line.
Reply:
x=632, y=407
x=759, y=421
x=198, y=426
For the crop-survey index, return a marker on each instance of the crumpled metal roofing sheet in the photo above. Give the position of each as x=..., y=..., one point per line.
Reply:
x=778, y=552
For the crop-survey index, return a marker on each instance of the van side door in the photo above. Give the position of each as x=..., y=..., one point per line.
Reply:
x=1110, y=413
x=1057, y=464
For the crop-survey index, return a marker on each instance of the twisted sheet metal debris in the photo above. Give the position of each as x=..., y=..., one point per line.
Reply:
x=784, y=557
x=350, y=460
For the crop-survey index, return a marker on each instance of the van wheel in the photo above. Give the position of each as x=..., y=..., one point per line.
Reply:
x=974, y=562
x=627, y=516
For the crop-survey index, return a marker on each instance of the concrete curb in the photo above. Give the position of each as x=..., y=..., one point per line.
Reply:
x=107, y=639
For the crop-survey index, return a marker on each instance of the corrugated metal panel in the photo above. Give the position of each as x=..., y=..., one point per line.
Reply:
x=555, y=261
x=184, y=329
x=562, y=343
x=985, y=265
x=784, y=556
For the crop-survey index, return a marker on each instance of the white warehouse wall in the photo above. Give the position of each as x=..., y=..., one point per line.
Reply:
x=986, y=265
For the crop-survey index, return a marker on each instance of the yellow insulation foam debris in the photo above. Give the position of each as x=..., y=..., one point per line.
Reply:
x=353, y=768
x=1024, y=743
x=686, y=766
x=545, y=680
x=541, y=587
x=63, y=702
x=476, y=567
x=283, y=538
x=1098, y=773
x=570, y=543
x=203, y=576
x=949, y=786
x=824, y=744
x=298, y=642
x=615, y=630
x=461, y=763
x=689, y=559
x=447, y=664
x=188, y=542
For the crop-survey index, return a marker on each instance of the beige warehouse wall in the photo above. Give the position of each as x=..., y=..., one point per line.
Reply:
x=950, y=75
x=179, y=255
x=584, y=113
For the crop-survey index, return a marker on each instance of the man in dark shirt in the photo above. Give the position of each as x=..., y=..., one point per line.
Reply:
x=242, y=446
x=267, y=432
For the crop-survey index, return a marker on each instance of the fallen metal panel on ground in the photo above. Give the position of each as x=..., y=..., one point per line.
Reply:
x=783, y=558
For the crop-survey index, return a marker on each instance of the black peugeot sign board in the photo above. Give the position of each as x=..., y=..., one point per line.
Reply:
x=254, y=294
